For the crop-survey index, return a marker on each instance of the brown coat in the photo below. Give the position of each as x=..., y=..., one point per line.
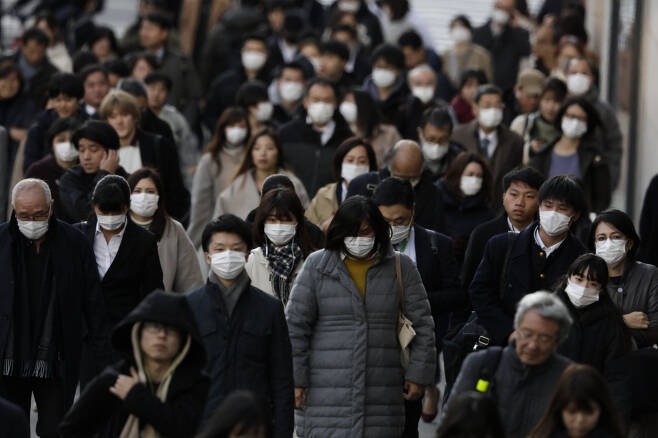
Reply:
x=324, y=205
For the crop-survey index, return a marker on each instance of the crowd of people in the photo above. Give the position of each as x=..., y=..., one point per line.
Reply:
x=288, y=218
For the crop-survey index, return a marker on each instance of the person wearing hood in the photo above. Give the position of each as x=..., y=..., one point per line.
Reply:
x=387, y=84
x=97, y=144
x=489, y=137
x=581, y=83
x=576, y=152
x=310, y=139
x=434, y=132
x=243, y=328
x=158, y=388
x=51, y=300
x=466, y=191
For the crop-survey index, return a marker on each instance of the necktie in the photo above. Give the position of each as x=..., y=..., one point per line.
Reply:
x=484, y=145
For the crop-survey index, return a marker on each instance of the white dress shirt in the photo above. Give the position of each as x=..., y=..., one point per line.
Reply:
x=106, y=252
x=410, y=247
x=493, y=141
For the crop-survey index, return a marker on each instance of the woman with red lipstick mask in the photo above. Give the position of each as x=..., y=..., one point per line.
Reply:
x=264, y=157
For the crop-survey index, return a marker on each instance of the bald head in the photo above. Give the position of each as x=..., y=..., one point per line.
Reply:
x=407, y=161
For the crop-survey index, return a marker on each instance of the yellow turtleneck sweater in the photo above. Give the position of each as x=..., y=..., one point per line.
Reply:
x=358, y=270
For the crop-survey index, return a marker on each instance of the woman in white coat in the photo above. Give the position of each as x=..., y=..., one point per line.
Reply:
x=281, y=243
x=264, y=157
x=180, y=266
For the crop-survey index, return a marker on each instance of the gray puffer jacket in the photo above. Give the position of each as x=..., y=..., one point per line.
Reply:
x=345, y=349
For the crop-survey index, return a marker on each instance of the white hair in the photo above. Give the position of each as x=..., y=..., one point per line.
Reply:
x=422, y=68
x=29, y=184
x=549, y=306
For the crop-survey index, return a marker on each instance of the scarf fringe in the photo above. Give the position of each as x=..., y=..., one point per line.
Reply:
x=41, y=369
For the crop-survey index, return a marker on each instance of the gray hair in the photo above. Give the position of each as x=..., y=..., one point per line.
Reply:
x=29, y=184
x=549, y=306
x=422, y=68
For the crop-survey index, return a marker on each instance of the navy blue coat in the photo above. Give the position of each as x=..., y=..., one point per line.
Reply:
x=495, y=310
x=80, y=304
x=248, y=350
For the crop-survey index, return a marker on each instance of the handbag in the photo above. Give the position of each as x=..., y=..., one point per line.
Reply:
x=406, y=332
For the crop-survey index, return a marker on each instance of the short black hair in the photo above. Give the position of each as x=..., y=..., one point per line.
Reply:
x=394, y=190
x=277, y=181
x=37, y=35
x=70, y=124
x=487, y=89
x=111, y=194
x=470, y=74
x=463, y=20
x=347, y=222
x=555, y=86
x=345, y=28
x=593, y=119
x=102, y=32
x=623, y=223
x=337, y=48
x=412, y=39
x=564, y=188
x=132, y=86
x=83, y=58
x=90, y=70
x=117, y=67
x=256, y=37
x=323, y=82
x=156, y=76
x=251, y=93
x=67, y=84
x=345, y=147
x=440, y=118
x=246, y=410
x=160, y=18
x=226, y=223
x=393, y=55
x=299, y=63
x=528, y=175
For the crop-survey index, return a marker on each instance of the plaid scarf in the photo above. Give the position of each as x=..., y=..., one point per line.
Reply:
x=282, y=261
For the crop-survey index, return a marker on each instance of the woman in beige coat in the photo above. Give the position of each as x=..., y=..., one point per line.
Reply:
x=352, y=158
x=216, y=168
x=281, y=243
x=180, y=266
x=465, y=55
x=264, y=157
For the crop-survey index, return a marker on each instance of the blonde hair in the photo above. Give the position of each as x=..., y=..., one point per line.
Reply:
x=121, y=101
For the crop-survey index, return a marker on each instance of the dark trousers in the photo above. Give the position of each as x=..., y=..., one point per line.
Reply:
x=49, y=395
x=412, y=412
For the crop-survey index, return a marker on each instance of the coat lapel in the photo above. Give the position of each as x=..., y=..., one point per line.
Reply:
x=125, y=249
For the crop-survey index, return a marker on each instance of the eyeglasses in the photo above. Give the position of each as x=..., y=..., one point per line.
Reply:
x=541, y=340
x=157, y=327
x=36, y=217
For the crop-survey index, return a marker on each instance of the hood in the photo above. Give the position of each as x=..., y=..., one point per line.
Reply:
x=166, y=308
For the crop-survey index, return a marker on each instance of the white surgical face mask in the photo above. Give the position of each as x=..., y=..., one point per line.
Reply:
x=253, y=59
x=500, y=16
x=348, y=111
x=578, y=83
x=65, y=151
x=434, y=151
x=460, y=34
x=280, y=234
x=351, y=6
x=581, y=296
x=399, y=233
x=573, y=128
x=320, y=112
x=470, y=185
x=111, y=223
x=235, y=135
x=33, y=230
x=613, y=251
x=227, y=264
x=350, y=171
x=264, y=111
x=490, y=117
x=144, y=204
x=291, y=91
x=425, y=94
x=359, y=246
x=553, y=223
x=383, y=77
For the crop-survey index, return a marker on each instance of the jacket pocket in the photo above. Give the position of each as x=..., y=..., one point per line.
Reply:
x=255, y=341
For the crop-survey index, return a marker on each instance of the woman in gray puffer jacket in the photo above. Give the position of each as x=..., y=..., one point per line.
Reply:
x=342, y=318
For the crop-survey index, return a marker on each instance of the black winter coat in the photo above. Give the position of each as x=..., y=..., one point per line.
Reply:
x=80, y=305
x=476, y=243
x=248, y=350
x=495, y=309
x=99, y=411
x=307, y=157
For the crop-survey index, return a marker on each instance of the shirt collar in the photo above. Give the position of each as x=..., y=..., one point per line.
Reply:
x=542, y=245
x=512, y=227
x=326, y=132
x=492, y=136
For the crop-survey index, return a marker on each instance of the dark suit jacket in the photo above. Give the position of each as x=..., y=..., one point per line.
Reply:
x=475, y=249
x=134, y=273
x=507, y=156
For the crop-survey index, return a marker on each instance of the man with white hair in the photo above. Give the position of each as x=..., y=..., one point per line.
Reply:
x=49, y=300
x=522, y=376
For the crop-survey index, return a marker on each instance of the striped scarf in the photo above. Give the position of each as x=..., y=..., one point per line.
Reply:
x=282, y=261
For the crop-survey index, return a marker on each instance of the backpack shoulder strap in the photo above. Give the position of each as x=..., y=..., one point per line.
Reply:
x=488, y=369
x=398, y=274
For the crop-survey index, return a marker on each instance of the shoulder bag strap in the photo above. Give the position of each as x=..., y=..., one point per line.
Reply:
x=398, y=273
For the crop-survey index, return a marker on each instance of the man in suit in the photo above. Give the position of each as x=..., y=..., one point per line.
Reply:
x=520, y=190
x=486, y=136
x=438, y=269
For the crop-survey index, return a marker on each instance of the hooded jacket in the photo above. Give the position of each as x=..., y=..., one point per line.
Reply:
x=99, y=411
